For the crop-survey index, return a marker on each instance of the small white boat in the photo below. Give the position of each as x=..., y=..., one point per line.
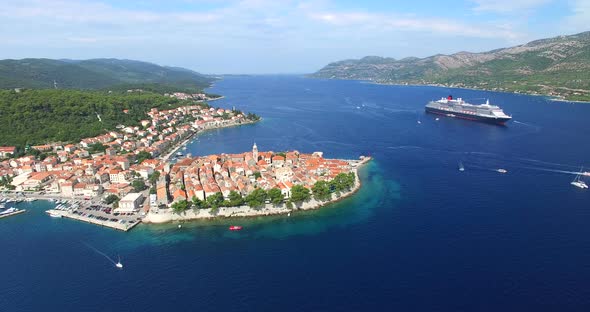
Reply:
x=461, y=168
x=502, y=170
x=437, y=119
x=119, y=264
x=577, y=182
x=55, y=215
x=419, y=122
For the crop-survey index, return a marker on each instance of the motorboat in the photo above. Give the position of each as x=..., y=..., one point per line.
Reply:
x=502, y=170
x=235, y=227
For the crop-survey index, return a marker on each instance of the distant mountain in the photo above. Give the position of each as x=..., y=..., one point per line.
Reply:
x=94, y=74
x=557, y=66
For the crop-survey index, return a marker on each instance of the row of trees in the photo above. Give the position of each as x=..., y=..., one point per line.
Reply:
x=321, y=191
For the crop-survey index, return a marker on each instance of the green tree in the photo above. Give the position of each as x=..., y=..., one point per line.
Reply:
x=153, y=178
x=235, y=199
x=197, y=203
x=141, y=156
x=138, y=185
x=257, y=175
x=96, y=148
x=300, y=193
x=111, y=199
x=180, y=206
x=215, y=200
x=257, y=198
x=275, y=196
x=321, y=190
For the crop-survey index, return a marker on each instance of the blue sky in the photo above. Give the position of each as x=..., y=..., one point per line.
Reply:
x=275, y=36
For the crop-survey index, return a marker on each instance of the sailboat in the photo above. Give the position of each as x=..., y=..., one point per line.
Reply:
x=461, y=168
x=119, y=264
x=577, y=182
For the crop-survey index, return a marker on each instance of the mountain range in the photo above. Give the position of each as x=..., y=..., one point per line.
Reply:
x=95, y=74
x=558, y=66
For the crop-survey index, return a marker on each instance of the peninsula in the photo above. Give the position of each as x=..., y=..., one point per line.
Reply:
x=556, y=67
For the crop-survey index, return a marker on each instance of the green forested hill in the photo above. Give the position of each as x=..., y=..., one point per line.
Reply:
x=40, y=116
x=557, y=66
x=94, y=74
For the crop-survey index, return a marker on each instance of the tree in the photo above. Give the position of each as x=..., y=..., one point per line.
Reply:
x=257, y=175
x=256, y=198
x=275, y=195
x=197, y=203
x=180, y=206
x=300, y=193
x=141, y=156
x=96, y=148
x=321, y=191
x=153, y=178
x=235, y=199
x=215, y=200
x=111, y=199
x=138, y=185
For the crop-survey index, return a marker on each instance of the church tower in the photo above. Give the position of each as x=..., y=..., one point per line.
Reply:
x=255, y=152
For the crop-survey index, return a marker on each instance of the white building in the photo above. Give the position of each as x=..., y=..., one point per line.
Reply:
x=130, y=202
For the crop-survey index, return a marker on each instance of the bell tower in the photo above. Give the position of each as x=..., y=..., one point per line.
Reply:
x=255, y=152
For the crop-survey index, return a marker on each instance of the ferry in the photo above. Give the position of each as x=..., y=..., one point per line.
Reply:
x=235, y=227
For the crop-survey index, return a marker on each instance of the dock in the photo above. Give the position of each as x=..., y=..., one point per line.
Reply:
x=125, y=227
x=12, y=213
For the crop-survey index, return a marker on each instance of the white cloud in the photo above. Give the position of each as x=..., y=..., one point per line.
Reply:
x=507, y=6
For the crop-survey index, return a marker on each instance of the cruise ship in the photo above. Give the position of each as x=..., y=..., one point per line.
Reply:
x=460, y=109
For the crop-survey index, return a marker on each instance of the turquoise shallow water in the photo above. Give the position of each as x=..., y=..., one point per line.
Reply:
x=419, y=235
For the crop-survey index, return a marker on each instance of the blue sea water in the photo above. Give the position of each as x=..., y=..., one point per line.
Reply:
x=419, y=235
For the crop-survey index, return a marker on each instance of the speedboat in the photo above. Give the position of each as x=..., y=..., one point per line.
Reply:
x=119, y=264
x=235, y=227
x=579, y=183
x=461, y=168
x=502, y=170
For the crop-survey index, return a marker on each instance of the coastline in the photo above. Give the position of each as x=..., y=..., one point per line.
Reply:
x=175, y=148
x=246, y=211
x=550, y=97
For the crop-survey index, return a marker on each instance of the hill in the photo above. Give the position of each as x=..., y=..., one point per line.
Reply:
x=41, y=116
x=95, y=74
x=558, y=66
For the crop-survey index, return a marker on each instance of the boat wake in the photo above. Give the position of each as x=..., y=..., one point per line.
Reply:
x=116, y=264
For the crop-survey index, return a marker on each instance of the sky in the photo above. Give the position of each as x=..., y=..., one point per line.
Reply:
x=275, y=36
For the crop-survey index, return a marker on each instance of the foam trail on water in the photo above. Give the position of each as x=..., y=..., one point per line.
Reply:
x=101, y=253
x=552, y=170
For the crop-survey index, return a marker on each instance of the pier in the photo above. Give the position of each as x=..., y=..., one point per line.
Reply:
x=117, y=225
x=4, y=215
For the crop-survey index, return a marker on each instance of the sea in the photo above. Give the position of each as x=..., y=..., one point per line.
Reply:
x=420, y=235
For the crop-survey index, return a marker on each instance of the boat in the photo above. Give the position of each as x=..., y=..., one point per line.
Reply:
x=502, y=170
x=419, y=122
x=579, y=183
x=235, y=227
x=8, y=211
x=437, y=119
x=55, y=215
x=119, y=264
x=179, y=154
x=586, y=173
x=461, y=109
x=461, y=168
